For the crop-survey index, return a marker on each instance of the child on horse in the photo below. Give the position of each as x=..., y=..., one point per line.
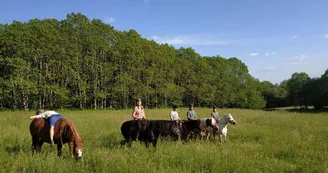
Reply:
x=52, y=117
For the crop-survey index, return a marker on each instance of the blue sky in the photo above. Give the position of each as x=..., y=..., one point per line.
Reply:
x=273, y=38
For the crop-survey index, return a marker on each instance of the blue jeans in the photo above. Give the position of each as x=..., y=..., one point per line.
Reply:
x=53, y=119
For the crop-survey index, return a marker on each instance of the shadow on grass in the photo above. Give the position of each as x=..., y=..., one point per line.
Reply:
x=16, y=147
x=299, y=110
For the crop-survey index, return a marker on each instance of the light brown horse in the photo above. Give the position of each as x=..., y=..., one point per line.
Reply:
x=65, y=132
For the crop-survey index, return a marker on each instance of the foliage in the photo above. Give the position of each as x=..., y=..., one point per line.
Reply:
x=86, y=64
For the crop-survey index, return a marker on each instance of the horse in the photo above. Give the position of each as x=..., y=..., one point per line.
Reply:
x=221, y=130
x=149, y=132
x=207, y=125
x=190, y=129
x=129, y=131
x=65, y=132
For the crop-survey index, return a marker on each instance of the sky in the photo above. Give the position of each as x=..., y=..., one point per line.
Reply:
x=274, y=38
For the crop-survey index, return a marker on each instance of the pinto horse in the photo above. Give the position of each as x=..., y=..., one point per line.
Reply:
x=222, y=130
x=65, y=132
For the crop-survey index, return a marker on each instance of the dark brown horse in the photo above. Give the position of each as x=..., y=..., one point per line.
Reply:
x=65, y=132
x=190, y=129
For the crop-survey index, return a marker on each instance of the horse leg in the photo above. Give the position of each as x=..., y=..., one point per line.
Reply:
x=35, y=140
x=123, y=142
x=71, y=148
x=225, y=138
x=220, y=139
x=40, y=145
x=154, y=142
x=59, y=150
x=36, y=144
x=208, y=135
x=147, y=144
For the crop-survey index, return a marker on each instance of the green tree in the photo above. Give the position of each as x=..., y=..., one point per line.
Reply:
x=295, y=88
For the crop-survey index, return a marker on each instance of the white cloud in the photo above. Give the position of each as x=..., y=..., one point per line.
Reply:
x=296, y=59
x=253, y=54
x=266, y=70
x=273, y=53
x=191, y=40
x=267, y=54
x=109, y=20
x=326, y=36
x=293, y=37
x=154, y=38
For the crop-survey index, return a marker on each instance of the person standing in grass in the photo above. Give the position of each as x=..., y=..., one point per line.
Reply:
x=174, y=114
x=139, y=115
x=52, y=118
x=191, y=114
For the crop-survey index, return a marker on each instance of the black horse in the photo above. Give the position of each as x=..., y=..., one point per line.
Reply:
x=149, y=132
x=190, y=129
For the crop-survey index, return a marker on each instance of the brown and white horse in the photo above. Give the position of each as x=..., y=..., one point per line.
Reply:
x=217, y=129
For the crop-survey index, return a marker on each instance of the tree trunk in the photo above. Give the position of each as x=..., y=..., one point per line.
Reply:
x=25, y=102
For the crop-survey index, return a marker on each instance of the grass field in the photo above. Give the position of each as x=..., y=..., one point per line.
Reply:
x=262, y=141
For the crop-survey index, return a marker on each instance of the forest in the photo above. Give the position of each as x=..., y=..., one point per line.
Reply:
x=78, y=63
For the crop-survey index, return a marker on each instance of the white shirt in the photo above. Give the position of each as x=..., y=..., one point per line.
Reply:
x=174, y=115
x=46, y=114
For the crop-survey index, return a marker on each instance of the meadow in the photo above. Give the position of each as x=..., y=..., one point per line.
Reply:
x=262, y=141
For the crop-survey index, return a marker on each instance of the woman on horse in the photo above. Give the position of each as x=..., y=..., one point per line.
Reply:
x=52, y=117
x=139, y=115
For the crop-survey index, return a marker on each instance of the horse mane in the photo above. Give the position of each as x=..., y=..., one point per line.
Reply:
x=72, y=132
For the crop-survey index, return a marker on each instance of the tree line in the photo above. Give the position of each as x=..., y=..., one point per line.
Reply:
x=78, y=63
x=300, y=90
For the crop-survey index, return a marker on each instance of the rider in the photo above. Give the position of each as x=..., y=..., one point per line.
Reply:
x=174, y=114
x=215, y=115
x=139, y=115
x=52, y=117
x=191, y=114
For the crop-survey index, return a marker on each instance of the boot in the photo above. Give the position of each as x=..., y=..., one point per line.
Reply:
x=137, y=137
x=52, y=143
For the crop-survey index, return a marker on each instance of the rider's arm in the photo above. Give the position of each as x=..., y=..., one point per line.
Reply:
x=134, y=113
x=43, y=115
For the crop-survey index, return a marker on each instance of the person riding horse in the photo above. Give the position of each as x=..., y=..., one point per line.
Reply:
x=52, y=118
x=138, y=114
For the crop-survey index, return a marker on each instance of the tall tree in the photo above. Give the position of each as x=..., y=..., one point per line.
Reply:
x=295, y=88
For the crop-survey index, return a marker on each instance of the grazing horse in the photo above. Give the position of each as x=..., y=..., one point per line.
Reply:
x=65, y=132
x=149, y=132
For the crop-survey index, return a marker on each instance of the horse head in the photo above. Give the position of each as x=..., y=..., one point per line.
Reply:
x=74, y=136
x=78, y=149
x=231, y=119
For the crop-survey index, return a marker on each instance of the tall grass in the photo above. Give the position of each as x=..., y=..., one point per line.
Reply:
x=277, y=141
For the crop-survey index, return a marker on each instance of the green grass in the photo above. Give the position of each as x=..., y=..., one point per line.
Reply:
x=276, y=141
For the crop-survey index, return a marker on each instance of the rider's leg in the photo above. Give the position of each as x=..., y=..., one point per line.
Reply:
x=52, y=132
x=138, y=130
